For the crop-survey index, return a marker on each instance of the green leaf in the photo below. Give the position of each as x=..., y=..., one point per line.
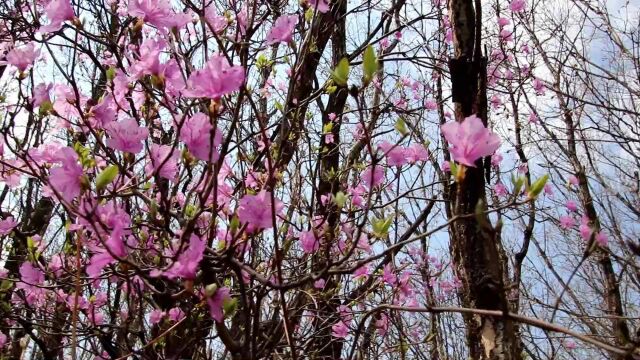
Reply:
x=210, y=290
x=229, y=306
x=308, y=15
x=340, y=199
x=518, y=183
x=369, y=64
x=537, y=186
x=111, y=73
x=331, y=89
x=401, y=126
x=106, y=176
x=341, y=72
x=381, y=227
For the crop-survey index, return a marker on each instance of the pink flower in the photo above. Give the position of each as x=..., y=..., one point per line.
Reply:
x=572, y=206
x=3, y=340
x=382, y=324
x=502, y=22
x=216, y=303
x=538, y=86
x=256, y=210
x=602, y=238
x=388, y=276
x=188, y=261
x=217, y=79
x=155, y=316
x=22, y=57
x=31, y=275
x=373, y=176
x=309, y=242
x=500, y=189
x=361, y=272
x=321, y=5
x=496, y=159
x=58, y=11
x=573, y=180
x=506, y=35
x=567, y=222
x=517, y=5
x=585, y=228
x=164, y=160
x=7, y=225
x=470, y=140
x=282, y=30
x=217, y=22
x=416, y=152
x=395, y=154
x=65, y=179
x=126, y=136
x=570, y=344
x=533, y=118
x=319, y=284
x=548, y=189
x=340, y=330
x=430, y=104
x=196, y=134
x=41, y=94
x=176, y=314
x=158, y=13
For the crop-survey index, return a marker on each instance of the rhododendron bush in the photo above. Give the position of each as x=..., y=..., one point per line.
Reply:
x=328, y=179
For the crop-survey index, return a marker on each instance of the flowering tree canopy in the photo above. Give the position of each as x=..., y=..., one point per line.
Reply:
x=319, y=179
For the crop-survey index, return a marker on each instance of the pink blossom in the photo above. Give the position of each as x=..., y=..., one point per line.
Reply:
x=217, y=79
x=585, y=228
x=430, y=104
x=188, y=261
x=321, y=5
x=41, y=94
x=533, y=118
x=126, y=136
x=65, y=179
x=216, y=303
x=176, y=314
x=7, y=225
x=500, y=189
x=570, y=344
x=155, y=316
x=309, y=242
x=382, y=324
x=416, y=152
x=164, y=160
x=496, y=159
x=373, y=176
x=548, y=189
x=388, y=276
x=30, y=274
x=567, y=222
x=158, y=13
x=506, y=35
x=470, y=140
x=340, y=330
x=58, y=11
x=361, y=272
x=282, y=30
x=446, y=166
x=538, y=86
x=319, y=284
x=256, y=210
x=502, y=22
x=572, y=206
x=196, y=134
x=573, y=180
x=217, y=22
x=395, y=154
x=3, y=340
x=22, y=57
x=517, y=5
x=602, y=238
